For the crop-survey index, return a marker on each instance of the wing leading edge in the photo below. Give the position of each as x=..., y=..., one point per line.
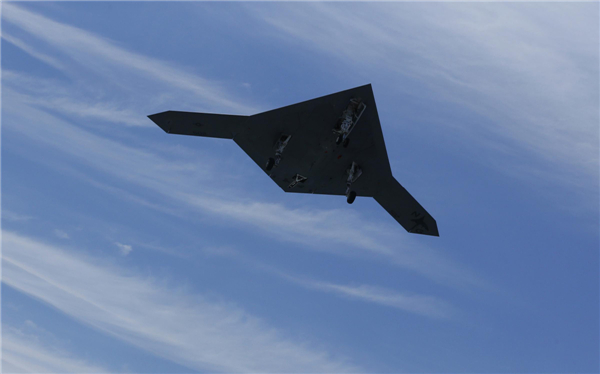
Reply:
x=312, y=162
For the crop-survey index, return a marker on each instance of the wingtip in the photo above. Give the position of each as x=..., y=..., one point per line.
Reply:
x=159, y=119
x=434, y=231
x=430, y=229
x=428, y=233
x=155, y=116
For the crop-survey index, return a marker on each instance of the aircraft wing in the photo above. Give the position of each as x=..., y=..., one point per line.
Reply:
x=200, y=124
x=396, y=200
x=312, y=162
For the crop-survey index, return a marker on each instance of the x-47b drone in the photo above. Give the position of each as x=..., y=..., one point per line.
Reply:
x=330, y=145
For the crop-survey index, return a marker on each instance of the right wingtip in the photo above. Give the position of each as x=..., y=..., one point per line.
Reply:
x=434, y=230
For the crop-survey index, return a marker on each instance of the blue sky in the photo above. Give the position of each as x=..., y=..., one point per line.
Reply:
x=125, y=249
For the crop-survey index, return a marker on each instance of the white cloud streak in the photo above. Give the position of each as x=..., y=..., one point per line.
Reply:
x=170, y=322
x=98, y=53
x=61, y=234
x=32, y=52
x=318, y=228
x=9, y=215
x=72, y=101
x=418, y=304
x=530, y=70
x=423, y=305
x=124, y=249
x=27, y=353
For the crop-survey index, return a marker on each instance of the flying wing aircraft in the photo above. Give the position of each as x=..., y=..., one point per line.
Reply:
x=330, y=145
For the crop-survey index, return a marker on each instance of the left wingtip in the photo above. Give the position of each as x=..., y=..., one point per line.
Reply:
x=160, y=119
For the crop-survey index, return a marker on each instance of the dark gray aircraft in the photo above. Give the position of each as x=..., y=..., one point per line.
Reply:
x=330, y=145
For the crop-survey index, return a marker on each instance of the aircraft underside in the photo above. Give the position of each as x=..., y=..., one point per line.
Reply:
x=329, y=145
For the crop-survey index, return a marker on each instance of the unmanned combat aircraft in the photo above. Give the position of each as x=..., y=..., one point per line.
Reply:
x=331, y=145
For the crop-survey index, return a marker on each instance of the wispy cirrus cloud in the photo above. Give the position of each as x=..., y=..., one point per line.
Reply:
x=15, y=217
x=175, y=183
x=188, y=329
x=124, y=249
x=26, y=352
x=419, y=304
x=33, y=52
x=71, y=100
x=149, y=170
x=424, y=305
x=529, y=71
x=61, y=234
x=318, y=228
x=99, y=54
